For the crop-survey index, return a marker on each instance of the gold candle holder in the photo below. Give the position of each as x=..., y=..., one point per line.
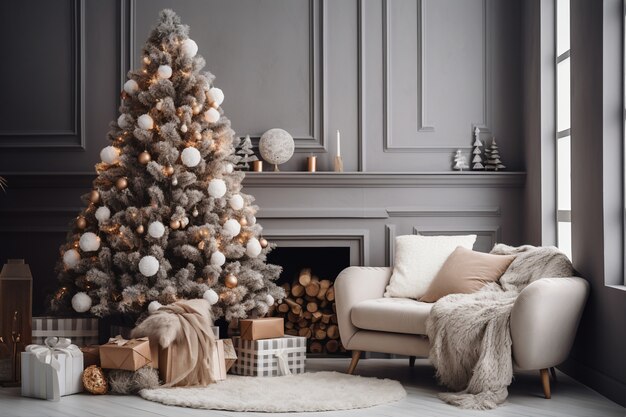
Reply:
x=257, y=166
x=312, y=163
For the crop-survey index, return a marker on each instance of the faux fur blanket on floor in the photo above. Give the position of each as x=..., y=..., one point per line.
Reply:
x=470, y=338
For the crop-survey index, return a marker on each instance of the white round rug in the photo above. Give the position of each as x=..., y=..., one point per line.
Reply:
x=319, y=391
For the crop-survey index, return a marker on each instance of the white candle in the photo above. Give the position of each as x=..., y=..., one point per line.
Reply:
x=338, y=143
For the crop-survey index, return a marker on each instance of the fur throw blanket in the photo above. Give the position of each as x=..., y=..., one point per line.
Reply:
x=185, y=328
x=470, y=338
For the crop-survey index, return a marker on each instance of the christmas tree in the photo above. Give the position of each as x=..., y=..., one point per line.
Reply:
x=477, y=161
x=245, y=153
x=460, y=162
x=166, y=219
x=493, y=157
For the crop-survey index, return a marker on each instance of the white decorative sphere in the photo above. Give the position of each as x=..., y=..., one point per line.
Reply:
x=276, y=146
x=211, y=115
x=231, y=228
x=131, y=86
x=103, y=214
x=154, y=306
x=89, y=242
x=71, y=258
x=81, y=302
x=148, y=266
x=236, y=202
x=216, y=95
x=217, y=188
x=156, y=229
x=218, y=258
x=253, y=220
x=189, y=48
x=253, y=247
x=190, y=156
x=145, y=122
x=228, y=168
x=164, y=72
x=184, y=128
x=110, y=155
x=269, y=300
x=122, y=122
x=211, y=296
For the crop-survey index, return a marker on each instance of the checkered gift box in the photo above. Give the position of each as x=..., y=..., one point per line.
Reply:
x=81, y=331
x=270, y=357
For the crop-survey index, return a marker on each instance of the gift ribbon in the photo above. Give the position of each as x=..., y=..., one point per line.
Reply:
x=282, y=362
x=120, y=341
x=47, y=355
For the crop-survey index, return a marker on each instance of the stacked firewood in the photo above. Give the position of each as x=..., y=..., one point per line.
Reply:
x=309, y=311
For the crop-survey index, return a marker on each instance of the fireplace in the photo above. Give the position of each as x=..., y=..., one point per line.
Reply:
x=309, y=308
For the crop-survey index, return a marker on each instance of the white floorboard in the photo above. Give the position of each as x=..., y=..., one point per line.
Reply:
x=569, y=398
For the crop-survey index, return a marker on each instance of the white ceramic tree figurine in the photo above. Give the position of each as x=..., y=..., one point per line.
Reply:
x=460, y=162
x=477, y=160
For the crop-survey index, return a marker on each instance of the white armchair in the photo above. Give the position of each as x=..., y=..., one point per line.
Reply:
x=543, y=321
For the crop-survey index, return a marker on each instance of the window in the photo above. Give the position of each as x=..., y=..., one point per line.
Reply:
x=563, y=135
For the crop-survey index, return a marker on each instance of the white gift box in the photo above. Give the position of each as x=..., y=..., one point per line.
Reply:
x=52, y=370
x=270, y=357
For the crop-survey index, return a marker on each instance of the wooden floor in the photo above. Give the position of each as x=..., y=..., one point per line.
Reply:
x=569, y=398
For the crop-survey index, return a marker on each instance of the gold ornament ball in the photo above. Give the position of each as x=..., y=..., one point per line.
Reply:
x=243, y=221
x=169, y=170
x=94, y=197
x=144, y=158
x=230, y=281
x=263, y=242
x=81, y=222
x=175, y=224
x=94, y=380
x=140, y=229
x=121, y=183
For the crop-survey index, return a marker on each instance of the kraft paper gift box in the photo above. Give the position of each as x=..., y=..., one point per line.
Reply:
x=81, y=331
x=52, y=371
x=217, y=362
x=230, y=355
x=270, y=357
x=128, y=355
x=263, y=328
x=91, y=355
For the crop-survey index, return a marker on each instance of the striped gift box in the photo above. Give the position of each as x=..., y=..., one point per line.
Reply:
x=124, y=331
x=270, y=357
x=81, y=331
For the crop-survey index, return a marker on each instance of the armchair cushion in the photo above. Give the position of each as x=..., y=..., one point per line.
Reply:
x=396, y=315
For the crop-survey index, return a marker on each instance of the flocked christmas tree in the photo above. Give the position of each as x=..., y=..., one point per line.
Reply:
x=245, y=153
x=460, y=162
x=493, y=162
x=477, y=160
x=166, y=219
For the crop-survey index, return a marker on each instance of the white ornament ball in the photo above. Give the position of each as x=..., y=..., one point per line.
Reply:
x=89, y=242
x=71, y=258
x=81, y=302
x=253, y=247
x=216, y=95
x=276, y=146
x=211, y=296
x=217, y=188
x=228, y=168
x=131, y=86
x=164, y=72
x=189, y=48
x=269, y=300
x=211, y=115
x=122, y=121
x=145, y=122
x=148, y=266
x=110, y=155
x=190, y=156
x=218, y=258
x=103, y=214
x=231, y=228
x=184, y=128
x=154, y=306
x=236, y=202
x=156, y=229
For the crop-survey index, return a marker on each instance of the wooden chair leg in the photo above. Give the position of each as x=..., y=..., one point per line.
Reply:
x=545, y=381
x=411, y=361
x=356, y=355
x=553, y=374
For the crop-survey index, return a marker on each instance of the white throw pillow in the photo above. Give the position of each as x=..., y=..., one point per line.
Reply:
x=417, y=261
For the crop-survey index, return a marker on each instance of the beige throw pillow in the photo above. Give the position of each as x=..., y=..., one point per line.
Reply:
x=417, y=260
x=465, y=272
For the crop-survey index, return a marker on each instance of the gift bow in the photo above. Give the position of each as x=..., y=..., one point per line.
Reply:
x=45, y=354
x=282, y=362
x=120, y=341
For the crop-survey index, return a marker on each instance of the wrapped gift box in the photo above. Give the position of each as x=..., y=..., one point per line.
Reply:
x=81, y=331
x=270, y=357
x=91, y=355
x=230, y=355
x=128, y=355
x=52, y=370
x=264, y=328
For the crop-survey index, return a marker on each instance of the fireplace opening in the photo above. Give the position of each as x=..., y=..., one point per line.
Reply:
x=309, y=308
